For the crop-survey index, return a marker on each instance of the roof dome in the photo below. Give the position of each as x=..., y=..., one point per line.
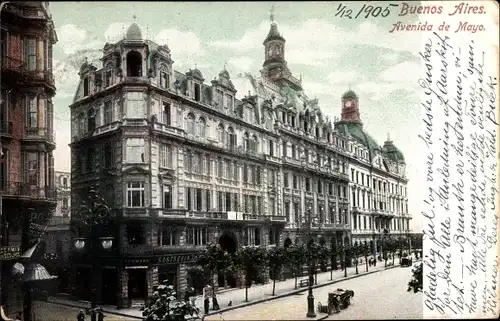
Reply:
x=349, y=95
x=274, y=34
x=393, y=152
x=360, y=135
x=134, y=32
x=195, y=73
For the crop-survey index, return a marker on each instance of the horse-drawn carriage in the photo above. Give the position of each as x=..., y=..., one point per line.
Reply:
x=337, y=300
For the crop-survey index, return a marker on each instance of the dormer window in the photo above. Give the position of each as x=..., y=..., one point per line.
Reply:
x=86, y=86
x=219, y=97
x=197, y=92
x=107, y=78
x=134, y=64
x=164, y=79
x=228, y=102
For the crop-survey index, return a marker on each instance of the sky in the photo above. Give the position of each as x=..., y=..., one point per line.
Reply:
x=330, y=53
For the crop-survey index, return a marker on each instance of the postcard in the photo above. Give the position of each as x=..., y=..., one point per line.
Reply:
x=249, y=160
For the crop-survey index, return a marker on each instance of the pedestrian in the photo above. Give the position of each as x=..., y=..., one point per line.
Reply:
x=100, y=315
x=215, y=303
x=206, y=298
x=80, y=316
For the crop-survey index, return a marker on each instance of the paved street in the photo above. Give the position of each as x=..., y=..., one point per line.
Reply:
x=377, y=296
x=259, y=292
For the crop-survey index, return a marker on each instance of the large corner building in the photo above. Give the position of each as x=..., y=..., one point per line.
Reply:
x=26, y=131
x=238, y=161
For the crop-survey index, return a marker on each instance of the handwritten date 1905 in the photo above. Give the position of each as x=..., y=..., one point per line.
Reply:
x=365, y=12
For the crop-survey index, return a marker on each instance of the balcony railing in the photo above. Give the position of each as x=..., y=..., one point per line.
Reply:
x=6, y=128
x=40, y=132
x=18, y=189
x=12, y=64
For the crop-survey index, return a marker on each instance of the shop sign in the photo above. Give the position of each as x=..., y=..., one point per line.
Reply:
x=177, y=258
x=137, y=261
x=9, y=252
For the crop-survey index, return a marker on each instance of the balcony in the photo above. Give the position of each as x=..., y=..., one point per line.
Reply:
x=24, y=190
x=40, y=133
x=40, y=76
x=6, y=128
x=12, y=64
x=168, y=129
x=208, y=215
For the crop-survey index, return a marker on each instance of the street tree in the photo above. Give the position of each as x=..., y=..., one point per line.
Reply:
x=334, y=252
x=250, y=259
x=295, y=260
x=163, y=305
x=212, y=260
x=276, y=259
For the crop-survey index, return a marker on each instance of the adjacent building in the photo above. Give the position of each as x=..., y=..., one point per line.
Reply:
x=183, y=162
x=26, y=132
x=378, y=182
x=63, y=187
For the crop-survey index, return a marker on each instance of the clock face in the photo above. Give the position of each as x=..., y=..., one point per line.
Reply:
x=348, y=103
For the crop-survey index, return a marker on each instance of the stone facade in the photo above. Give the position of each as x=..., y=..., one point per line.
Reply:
x=240, y=161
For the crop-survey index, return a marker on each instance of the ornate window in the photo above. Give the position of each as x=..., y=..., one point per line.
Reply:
x=254, y=143
x=135, y=194
x=164, y=77
x=135, y=150
x=91, y=120
x=135, y=105
x=32, y=111
x=202, y=125
x=220, y=133
x=246, y=141
x=190, y=124
x=231, y=137
x=108, y=76
x=108, y=112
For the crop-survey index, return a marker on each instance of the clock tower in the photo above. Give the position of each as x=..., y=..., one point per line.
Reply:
x=350, y=107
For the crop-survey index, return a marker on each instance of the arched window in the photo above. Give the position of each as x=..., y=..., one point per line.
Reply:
x=255, y=143
x=246, y=141
x=202, y=124
x=220, y=133
x=190, y=124
x=231, y=138
x=134, y=64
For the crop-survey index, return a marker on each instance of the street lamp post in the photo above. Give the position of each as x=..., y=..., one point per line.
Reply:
x=93, y=214
x=310, y=296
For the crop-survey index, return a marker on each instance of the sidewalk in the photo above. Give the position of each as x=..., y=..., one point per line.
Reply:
x=256, y=293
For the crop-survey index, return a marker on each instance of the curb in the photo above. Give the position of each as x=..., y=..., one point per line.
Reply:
x=104, y=310
x=279, y=296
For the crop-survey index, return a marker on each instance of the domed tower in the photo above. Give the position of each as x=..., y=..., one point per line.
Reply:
x=134, y=33
x=350, y=107
x=274, y=48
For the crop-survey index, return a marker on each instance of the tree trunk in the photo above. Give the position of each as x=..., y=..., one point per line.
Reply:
x=246, y=292
x=357, y=272
x=274, y=285
x=331, y=274
x=366, y=262
x=295, y=281
x=393, y=254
